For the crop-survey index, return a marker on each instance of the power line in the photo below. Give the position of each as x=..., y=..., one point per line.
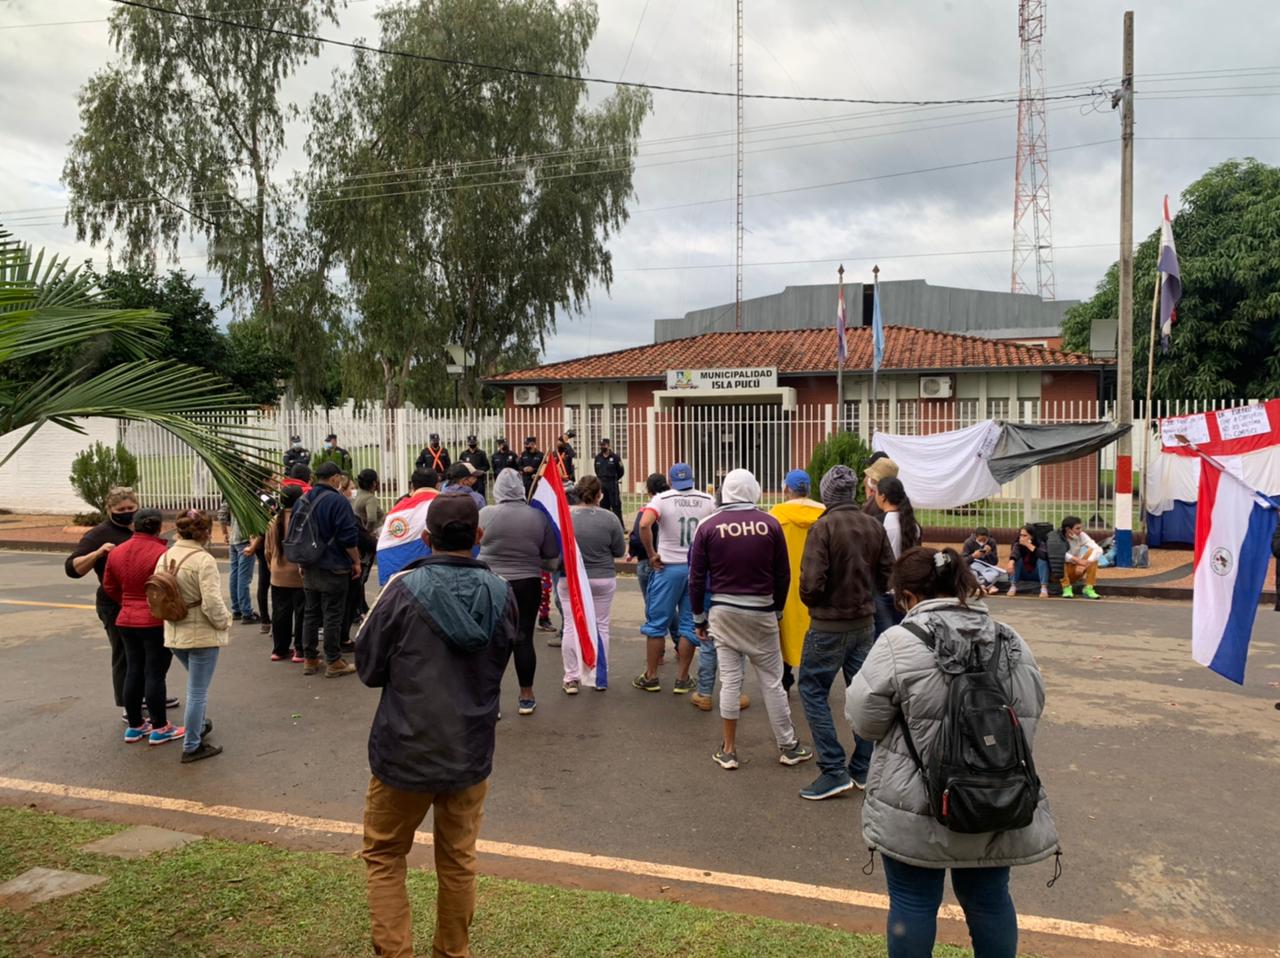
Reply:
x=555, y=75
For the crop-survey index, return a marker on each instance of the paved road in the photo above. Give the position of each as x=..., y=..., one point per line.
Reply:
x=1163, y=777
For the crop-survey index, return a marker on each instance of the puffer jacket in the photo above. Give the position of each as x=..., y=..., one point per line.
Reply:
x=124, y=580
x=902, y=676
x=207, y=618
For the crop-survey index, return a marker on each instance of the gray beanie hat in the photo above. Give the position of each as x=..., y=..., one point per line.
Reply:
x=840, y=484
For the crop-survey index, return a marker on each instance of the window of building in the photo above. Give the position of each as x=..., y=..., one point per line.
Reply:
x=594, y=431
x=852, y=417
x=618, y=429
x=908, y=417
x=997, y=409
x=966, y=412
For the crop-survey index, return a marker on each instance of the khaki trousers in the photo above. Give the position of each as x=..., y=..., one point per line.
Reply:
x=1071, y=574
x=391, y=816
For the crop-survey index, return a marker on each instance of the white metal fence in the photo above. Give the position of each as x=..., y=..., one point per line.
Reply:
x=767, y=439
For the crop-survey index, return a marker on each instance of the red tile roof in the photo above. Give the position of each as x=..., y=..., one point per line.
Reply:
x=802, y=351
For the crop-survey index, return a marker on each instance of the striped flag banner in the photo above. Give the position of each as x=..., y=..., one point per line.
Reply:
x=550, y=498
x=400, y=541
x=1234, y=526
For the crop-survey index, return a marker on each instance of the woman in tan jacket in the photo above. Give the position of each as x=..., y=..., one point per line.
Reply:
x=195, y=640
x=287, y=601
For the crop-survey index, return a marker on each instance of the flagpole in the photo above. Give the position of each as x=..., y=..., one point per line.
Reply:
x=875, y=369
x=1146, y=412
x=841, y=341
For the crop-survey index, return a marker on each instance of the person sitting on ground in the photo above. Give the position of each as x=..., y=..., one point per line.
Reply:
x=982, y=552
x=739, y=576
x=461, y=479
x=902, y=688
x=436, y=643
x=845, y=566
x=195, y=640
x=1028, y=562
x=129, y=567
x=1081, y=561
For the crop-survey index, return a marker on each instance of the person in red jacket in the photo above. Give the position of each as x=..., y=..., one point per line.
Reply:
x=129, y=566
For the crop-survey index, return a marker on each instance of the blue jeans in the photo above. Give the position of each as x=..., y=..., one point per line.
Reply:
x=241, y=576
x=667, y=602
x=199, y=664
x=824, y=655
x=916, y=893
x=1020, y=573
x=887, y=614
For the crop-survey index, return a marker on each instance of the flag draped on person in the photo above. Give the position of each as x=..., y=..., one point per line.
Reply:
x=842, y=328
x=400, y=541
x=1170, y=280
x=1234, y=526
x=550, y=498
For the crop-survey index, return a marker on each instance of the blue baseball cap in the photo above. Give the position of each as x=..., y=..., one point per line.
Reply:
x=797, y=480
x=681, y=477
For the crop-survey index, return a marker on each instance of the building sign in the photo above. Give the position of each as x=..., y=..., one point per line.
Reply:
x=749, y=379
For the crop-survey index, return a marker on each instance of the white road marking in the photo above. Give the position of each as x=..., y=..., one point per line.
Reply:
x=1080, y=931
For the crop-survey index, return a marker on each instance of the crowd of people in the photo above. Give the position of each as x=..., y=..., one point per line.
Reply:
x=817, y=586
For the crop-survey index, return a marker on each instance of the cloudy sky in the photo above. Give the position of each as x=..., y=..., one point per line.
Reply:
x=1208, y=89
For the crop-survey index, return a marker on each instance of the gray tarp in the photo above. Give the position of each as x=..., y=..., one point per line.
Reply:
x=1021, y=447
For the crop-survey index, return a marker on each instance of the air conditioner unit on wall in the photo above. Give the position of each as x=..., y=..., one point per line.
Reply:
x=526, y=395
x=935, y=387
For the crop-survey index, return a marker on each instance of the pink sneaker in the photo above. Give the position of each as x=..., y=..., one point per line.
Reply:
x=167, y=734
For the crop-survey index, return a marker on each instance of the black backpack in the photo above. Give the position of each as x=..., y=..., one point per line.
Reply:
x=302, y=546
x=980, y=777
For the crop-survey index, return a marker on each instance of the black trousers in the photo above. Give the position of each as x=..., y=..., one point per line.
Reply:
x=107, y=612
x=528, y=593
x=147, y=665
x=326, y=602
x=286, y=628
x=611, y=498
x=264, y=584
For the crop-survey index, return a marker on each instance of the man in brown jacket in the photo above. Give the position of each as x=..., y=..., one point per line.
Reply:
x=846, y=563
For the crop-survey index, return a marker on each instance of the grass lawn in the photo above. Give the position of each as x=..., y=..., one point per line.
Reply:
x=220, y=899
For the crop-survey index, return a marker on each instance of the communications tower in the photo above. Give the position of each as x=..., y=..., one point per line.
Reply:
x=1032, y=224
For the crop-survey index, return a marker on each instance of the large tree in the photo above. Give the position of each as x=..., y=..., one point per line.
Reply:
x=491, y=195
x=1226, y=343
x=180, y=137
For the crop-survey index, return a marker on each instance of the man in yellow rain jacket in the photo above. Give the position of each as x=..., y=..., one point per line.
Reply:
x=796, y=514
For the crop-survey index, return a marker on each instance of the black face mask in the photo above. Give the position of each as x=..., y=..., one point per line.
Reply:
x=123, y=518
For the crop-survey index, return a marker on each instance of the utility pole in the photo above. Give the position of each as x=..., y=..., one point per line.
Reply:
x=737, y=298
x=842, y=333
x=1124, y=373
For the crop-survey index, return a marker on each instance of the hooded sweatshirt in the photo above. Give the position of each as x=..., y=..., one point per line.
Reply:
x=436, y=642
x=739, y=554
x=796, y=516
x=903, y=680
x=519, y=540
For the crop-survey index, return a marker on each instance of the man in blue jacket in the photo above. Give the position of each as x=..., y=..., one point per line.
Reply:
x=436, y=642
x=326, y=581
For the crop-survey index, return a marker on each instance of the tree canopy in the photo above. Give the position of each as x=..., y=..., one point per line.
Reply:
x=180, y=136
x=1226, y=341
x=465, y=205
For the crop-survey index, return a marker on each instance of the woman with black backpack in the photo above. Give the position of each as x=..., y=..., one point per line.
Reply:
x=928, y=805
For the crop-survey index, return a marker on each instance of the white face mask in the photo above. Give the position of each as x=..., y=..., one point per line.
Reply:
x=328, y=445
x=297, y=445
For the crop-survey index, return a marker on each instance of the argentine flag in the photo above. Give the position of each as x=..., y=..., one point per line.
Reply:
x=401, y=540
x=1234, y=525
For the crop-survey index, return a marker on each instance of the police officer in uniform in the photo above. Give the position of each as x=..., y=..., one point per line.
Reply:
x=476, y=458
x=503, y=458
x=609, y=471
x=434, y=457
x=564, y=456
x=530, y=462
x=296, y=455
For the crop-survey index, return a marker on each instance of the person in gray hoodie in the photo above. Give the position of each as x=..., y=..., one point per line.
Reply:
x=904, y=683
x=519, y=543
